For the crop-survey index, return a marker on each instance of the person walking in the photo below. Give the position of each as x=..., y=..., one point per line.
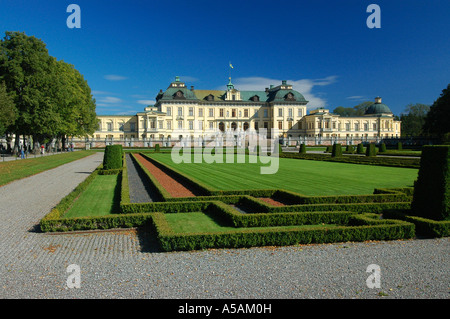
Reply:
x=22, y=153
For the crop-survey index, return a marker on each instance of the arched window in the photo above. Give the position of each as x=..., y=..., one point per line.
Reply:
x=246, y=126
x=233, y=126
x=222, y=126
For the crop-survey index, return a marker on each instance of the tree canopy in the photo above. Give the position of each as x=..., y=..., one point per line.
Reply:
x=413, y=119
x=51, y=97
x=437, y=121
x=357, y=110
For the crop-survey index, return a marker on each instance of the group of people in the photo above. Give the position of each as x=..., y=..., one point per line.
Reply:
x=25, y=149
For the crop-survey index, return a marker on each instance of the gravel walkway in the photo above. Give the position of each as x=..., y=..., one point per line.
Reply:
x=140, y=189
x=127, y=264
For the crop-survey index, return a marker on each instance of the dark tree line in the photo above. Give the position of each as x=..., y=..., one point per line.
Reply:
x=41, y=97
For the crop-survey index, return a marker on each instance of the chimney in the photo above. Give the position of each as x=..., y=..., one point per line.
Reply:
x=283, y=82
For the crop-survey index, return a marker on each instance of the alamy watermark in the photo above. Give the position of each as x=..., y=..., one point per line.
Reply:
x=374, y=19
x=74, y=19
x=374, y=280
x=74, y=279
x=234, y=146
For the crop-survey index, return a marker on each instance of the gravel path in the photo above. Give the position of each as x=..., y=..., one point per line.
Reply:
x=140, y=189
x=127, y=264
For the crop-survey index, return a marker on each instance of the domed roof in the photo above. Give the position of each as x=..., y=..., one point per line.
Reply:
x=378, y=108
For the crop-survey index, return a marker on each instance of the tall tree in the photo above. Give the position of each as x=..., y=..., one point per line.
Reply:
x=413, y=119
x=8, y=111
x=437, y=121
x=357, y=110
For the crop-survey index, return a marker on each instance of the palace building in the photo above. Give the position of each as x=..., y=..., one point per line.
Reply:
x=180, y=111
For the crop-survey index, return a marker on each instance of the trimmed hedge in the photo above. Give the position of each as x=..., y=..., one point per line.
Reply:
x=113, y=157
x=371, y=150
x=336, y=150
x=382, y=147
x=424, y=226
x=360, y=149
x=364, y=160
x=170, y=241
x=302, y=149
x=432, y=189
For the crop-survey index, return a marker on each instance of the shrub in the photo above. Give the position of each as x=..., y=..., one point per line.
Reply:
x=350, y=149
x=113, y=157
x=360, y=149
x=382, y=147
x=371, y=150
x=157, y=149
x=431, y=197
x=337, y=150
x=329, y=149
x=302, y=149
x=399, y=146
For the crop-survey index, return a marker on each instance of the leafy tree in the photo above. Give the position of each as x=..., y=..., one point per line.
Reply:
x=413, y=119
x=357, y=110
x=52, y=98
x=438, y=118
x=8, y=111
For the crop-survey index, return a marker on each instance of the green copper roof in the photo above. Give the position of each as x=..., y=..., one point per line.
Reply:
x=378, y=108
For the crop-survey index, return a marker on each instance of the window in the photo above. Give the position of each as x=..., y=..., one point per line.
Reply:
x=256, y=113
x=233, y=97
x=245, y=112
x=290, y=124
x=132, y=127
x=256, y=125
x=191, y=111
x=152, y=124
x=334, y=125
x=356, y=126
x=280, y=112
x=233, y=112
x=290, y=113
x=266, y=125
x=266, y=113
x=169, y=111
x=169, y=125
x=347, y=126
x=246, y=126
x=299, y=112
x=366, y=127
x=374, y=126
x=109, y=126
x=180, y=111
x=161, y=124
x=191, y=125
x=280, y=125
x=200, y=125
x=121, y=125
x=211, y=112
x=180, y=125
x=220, y=112
x=211, y=125
x=200, y=112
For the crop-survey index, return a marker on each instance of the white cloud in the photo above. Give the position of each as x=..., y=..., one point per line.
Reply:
x=304, y=86
x=110, y=100
x=114, y=77
x=146, y=102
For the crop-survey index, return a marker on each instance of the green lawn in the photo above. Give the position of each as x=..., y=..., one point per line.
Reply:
x=100, y=198
x=307, y=177
x=21, y=168
x=202, y=223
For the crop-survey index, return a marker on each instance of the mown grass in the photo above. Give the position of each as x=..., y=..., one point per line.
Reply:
x=313, y=178
x=100, y=198
x=202, y=223
x=21, y=168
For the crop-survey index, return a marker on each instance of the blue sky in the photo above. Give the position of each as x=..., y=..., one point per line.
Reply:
x=129, y=50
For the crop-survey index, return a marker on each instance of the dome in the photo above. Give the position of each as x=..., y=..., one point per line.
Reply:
x=378, y=108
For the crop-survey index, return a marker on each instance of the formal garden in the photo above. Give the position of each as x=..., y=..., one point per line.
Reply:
x=311, y=199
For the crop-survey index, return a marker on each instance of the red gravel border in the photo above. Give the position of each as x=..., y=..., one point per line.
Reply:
x=175, y=188
x=271, y=201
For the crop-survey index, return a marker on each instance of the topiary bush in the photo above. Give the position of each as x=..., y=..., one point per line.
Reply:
x=329, y=149
x=337, y=150
x=157, y=149
x=431, y=197
x=302, y=149
x=360, y=149
x=399, y=146
x=371, y=150
x=382, y=147
x=113, y=157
